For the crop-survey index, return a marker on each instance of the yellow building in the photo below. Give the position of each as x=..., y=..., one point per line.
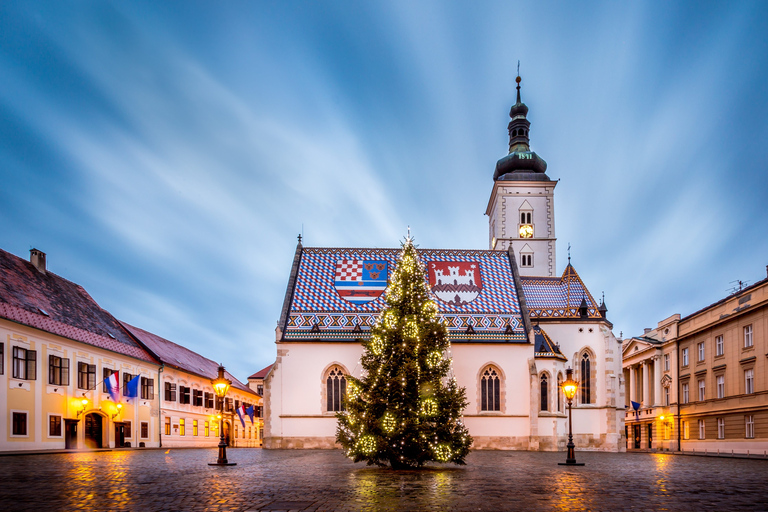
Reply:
x=189, y=407
x=56, y=348
x=712, y=381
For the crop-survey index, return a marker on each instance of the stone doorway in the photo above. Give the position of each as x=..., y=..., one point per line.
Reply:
x=94, y=430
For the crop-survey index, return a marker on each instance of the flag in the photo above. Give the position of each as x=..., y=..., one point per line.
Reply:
x=636, y=407
x=249, y=412
x=132, y=388
x=113, y=388
x=240, y=413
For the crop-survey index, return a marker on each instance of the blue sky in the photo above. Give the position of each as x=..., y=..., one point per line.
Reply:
x=166, y=155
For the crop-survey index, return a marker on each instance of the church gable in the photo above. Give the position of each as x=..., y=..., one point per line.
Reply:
x=558, y=297
x=338, y=293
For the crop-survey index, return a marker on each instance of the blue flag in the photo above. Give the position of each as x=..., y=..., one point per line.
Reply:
x=249, y=412
x=132, y=388
x=636, y=407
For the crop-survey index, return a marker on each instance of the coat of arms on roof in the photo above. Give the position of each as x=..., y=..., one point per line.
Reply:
x=360, y=281
x=455, y=282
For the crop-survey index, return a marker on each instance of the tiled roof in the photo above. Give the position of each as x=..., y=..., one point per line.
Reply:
x=53, y=304
x=545, y=347
x=476, y=293
x=261, y=373
x=172, y=354
x=558, y=297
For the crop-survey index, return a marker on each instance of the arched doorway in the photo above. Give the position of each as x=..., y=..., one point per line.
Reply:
x=94, y=430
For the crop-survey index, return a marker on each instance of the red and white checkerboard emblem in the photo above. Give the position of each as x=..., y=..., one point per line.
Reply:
x=360, y=281
x=349, y=270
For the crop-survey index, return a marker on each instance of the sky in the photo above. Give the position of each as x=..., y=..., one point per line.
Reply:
x=165, y=155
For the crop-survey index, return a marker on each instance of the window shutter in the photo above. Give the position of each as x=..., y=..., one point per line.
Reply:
x=31, y=364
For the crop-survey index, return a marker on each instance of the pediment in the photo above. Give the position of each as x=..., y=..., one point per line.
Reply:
x=525, y=206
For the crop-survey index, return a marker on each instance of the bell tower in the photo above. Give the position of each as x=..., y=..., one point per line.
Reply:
x=521, y=209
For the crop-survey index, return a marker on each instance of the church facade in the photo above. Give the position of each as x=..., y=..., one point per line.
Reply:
x=515, y=325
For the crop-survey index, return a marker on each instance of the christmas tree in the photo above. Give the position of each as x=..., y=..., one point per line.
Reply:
x=405, y=410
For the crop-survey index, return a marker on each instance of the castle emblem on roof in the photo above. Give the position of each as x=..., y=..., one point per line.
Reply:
x=360, y=281
x=455, y=282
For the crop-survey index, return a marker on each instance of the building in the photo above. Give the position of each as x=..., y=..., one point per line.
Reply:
x=515, y=326
x=712, y=383
x=650, y=371
x=189, y=407
x=57, y=347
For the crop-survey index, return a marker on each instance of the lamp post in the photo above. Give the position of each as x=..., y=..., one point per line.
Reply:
x=569, y=390
x=220, y=387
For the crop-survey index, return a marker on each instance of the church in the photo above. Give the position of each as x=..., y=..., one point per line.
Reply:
x=514, y=323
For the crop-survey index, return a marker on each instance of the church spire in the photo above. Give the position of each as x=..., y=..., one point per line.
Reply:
x=519, y=125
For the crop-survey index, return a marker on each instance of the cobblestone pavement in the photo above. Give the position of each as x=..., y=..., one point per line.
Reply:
x=152, y=480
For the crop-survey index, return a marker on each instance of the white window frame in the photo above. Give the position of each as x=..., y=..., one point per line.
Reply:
x=702, y=390
x=685, y=430
x=748, y=336
x=666, y=395
x=749, y=381
x=10, y=423
x=721, y=428
x=686, y=394
x=685, y=356
x=720, y=380
x=666, y=362
x=60, y=436
x=719, y=345
x=749, y=426
x=702, y=429
x=702, y=352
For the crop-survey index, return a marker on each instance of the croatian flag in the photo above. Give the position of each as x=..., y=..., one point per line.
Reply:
x=249, y=412
x=241, y=414
x=113, y=387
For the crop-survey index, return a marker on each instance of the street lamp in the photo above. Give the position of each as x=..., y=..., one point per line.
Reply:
x=569, y=390
x=220, y=387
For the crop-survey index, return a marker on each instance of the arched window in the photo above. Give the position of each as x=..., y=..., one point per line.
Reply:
x=544, y=392
x=490, y=390
x=336, y=390
x=559, y=392
x=586, y=380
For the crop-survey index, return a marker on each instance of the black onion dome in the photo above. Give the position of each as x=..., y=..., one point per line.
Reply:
x=521, y=164
x=518, y=109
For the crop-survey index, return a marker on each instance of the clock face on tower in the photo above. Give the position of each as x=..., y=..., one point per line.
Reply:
x=526, y=231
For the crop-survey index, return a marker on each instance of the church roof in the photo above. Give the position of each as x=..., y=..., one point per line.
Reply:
x=545, y=347
x=46, y=301
x=558, y=297
x=335, y=294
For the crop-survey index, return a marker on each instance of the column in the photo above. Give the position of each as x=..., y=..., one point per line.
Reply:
x=657, y=374
x=646, y=384
x=630, y=385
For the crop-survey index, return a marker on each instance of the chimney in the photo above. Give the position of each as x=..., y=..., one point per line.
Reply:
x=37, y=258
x=647, y=330
x=766, y=270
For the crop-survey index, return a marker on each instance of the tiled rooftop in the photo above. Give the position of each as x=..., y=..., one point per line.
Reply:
x=53, y=304
x=172, y=354
x=558, y=297
x=471, y=288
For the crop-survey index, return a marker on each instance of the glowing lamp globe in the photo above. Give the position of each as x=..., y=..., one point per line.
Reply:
x=221, y=384
x=569, y=386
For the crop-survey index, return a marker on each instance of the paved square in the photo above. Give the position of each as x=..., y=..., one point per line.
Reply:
x=151, y=480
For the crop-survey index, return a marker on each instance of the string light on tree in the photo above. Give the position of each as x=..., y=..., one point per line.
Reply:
x=406, y=409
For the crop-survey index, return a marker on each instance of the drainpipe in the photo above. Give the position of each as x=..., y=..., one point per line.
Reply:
x=160, y=405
